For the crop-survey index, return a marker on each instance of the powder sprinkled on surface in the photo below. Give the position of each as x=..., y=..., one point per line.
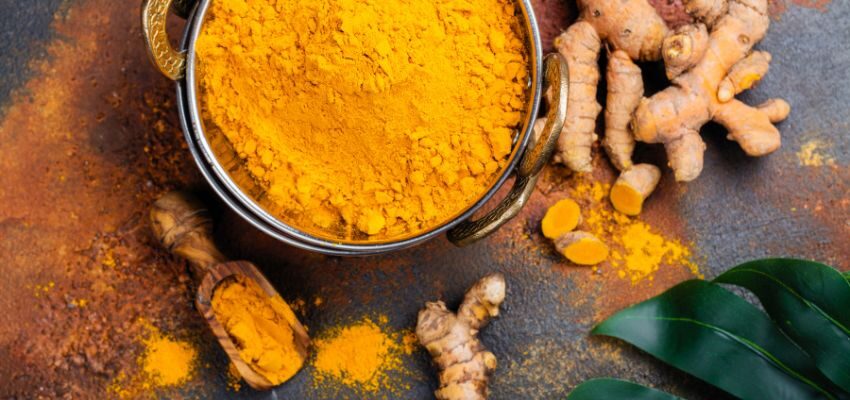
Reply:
x=637, y=250
x=362, y=355
x=165, y=362
x=813, y=154
x=644, y=251
x=168, y=362
x=234, y=379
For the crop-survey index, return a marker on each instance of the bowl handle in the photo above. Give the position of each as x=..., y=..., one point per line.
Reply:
x=556, y=79
x=170, y=62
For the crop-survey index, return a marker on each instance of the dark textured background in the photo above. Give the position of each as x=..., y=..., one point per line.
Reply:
x=89, y=138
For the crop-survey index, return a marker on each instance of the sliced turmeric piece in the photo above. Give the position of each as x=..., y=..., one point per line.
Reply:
x=562, y=217
x=582, y=248
x=633, y=187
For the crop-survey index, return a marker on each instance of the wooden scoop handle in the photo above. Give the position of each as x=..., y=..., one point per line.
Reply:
x=183, y=226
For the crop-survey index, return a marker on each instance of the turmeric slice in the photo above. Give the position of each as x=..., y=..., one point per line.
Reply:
x=633, y=187
x=582, y=248
x=562, y=217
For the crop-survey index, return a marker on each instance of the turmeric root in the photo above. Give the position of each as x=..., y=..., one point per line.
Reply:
x=684, y=48
x=632, y=26
x=775, y=109
x=562, y=217
x=629, y=25
x=743, y=75
x=675, y=115
x=580, y=45
x=633, y=187
x=452, y=340
x=706, y=11
x=582, y=248
x=625, y=89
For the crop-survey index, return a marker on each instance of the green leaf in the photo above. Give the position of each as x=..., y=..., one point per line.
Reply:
x=613, y=389
x=710, y=333
x=810, y=302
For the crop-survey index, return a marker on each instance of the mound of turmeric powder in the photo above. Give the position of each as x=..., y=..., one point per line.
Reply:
x=366, y=355
x=260, y=326
x=366, y=119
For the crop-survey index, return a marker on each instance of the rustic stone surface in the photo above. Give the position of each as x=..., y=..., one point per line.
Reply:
x=91, y=138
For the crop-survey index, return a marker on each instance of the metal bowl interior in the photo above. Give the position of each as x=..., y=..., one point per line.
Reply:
x=229, y=177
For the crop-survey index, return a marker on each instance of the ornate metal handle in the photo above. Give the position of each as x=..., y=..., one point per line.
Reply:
x=170, y=62
x=556, y=78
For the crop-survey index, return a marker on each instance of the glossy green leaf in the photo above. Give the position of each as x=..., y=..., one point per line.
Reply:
x=810, y=302
x=714, y=335
x=612, y=389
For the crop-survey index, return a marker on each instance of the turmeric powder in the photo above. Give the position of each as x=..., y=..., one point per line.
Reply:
x=260, y=326
x=361, y=355
x=636, y=250
x=165, y=362
x=366, y=120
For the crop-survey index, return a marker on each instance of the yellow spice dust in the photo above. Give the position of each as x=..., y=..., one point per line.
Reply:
x=366, y=119
x=234, y=379
x=364, y=355
x=637, y=250
x=814, y=153
x=165, y=362
x=42, y=290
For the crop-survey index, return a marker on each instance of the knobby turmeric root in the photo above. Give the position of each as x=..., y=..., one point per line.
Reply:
x=633, y=187
x=705, y=90
x=743, y=75
x=561, y=218
x=582, y=248
x=580, y=46
x=631, y=26
x=625, y=89
x=684, y=48
x=452, y=340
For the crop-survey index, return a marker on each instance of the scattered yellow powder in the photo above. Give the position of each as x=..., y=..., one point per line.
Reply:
x=234, y=380
x=79, y=303
x=365, y=120
x=165, y=362
x=260, y=326
x=637, y=251
x=812, y=154
x=645, y=251
x=108, y=259
x=42, y=290
x=409, y=341
x=362, y=355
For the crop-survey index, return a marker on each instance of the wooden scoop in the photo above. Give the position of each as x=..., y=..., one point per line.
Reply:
x=184, y=227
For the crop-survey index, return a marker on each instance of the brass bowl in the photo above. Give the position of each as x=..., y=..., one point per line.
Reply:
x=230, y=179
